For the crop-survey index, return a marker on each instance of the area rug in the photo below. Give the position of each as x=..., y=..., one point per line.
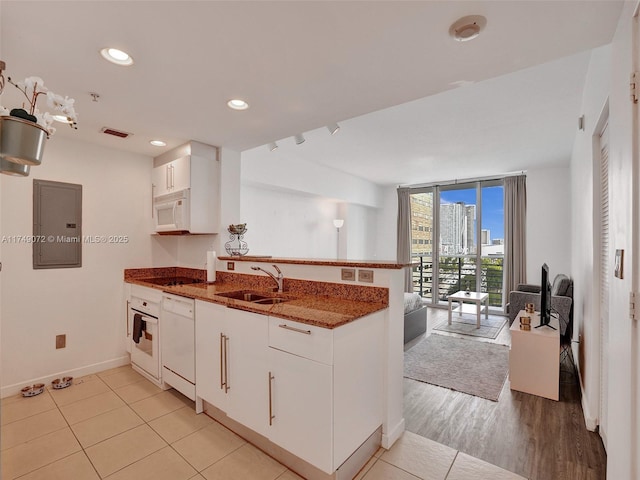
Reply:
x=489, y=327
x=468, y=366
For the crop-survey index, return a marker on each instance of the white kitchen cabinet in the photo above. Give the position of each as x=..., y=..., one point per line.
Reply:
x=315, y=392
x=194, y=166
x=302, y=407
x=247, y=358
x=172, y=176
x=326, y=381
x=231, y=363
x=209, y=353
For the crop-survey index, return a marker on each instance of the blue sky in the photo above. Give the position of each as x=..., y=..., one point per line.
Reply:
x=492, y=206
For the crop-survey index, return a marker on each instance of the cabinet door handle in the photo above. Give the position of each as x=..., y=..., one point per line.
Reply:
x=127, y=317
x=166, y=176
x=222, y=383
x=172, y=176
x=227, y=387
x=271, y=415
x=294, y=329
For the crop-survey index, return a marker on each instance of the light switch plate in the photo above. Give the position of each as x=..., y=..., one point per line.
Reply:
x=365, y=276
x=61, y=341
x=231, y=265
x=349, y=274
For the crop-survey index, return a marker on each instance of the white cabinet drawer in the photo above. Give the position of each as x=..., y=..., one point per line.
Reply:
x=300, y=339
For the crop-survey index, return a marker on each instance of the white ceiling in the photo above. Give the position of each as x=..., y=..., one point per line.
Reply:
x=305, y=64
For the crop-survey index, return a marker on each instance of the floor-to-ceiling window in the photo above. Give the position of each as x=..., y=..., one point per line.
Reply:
x=458, y=240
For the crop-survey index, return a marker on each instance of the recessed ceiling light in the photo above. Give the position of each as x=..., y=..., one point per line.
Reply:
x=237, y=104
x=116, y=56
x=467, y=28
x=158, y=143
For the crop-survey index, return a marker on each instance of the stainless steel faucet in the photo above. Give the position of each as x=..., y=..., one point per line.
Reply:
x=278, y=279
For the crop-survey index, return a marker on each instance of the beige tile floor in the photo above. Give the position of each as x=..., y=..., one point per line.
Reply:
x=116, y=425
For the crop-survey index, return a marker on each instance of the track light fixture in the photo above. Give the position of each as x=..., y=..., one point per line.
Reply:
x=333, y=128
x=273, y=146
x=299, y=139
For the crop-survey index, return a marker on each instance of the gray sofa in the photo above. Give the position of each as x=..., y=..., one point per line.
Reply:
x=561, y=300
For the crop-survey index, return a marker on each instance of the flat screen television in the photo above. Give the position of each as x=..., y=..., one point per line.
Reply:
x=545, y=298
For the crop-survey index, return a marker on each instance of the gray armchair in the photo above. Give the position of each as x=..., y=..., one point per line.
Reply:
x=561, y=300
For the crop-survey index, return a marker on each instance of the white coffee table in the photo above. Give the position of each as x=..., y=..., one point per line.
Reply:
x=472, y=297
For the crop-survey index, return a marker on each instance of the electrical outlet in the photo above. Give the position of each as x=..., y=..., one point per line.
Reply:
x=231, y=265
x=349, y=274
x=61, y=341
x=365, y=276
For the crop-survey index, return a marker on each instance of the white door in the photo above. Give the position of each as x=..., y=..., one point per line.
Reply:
x=605, y=273
x=301, y=405
x=181, y=174
x=209, y=353
x=247, y=358
x=160, y=180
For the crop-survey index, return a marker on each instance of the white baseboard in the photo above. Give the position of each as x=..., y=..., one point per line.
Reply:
x=590, y=421
x=8, y=390
x=390, y=437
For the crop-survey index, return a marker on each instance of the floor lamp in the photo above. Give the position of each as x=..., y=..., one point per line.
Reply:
x=338, y=222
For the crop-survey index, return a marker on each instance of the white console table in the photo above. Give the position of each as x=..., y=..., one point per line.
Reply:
x=534, y=358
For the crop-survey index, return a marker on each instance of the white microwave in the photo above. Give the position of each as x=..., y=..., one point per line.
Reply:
x=172, y=211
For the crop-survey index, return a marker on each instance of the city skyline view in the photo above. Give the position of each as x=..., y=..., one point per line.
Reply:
x=492, y=206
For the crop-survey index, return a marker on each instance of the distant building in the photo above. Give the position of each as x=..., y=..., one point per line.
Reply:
x=457, y=224
x=485, y=237
x=422, y=224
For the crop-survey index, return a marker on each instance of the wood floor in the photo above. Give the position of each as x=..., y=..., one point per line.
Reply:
x=534, y=437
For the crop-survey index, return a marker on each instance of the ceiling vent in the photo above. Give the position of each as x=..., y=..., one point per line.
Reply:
x=115, y=133
x=467, y=28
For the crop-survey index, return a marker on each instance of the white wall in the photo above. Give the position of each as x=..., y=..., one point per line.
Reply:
x=584, y=232
x=360, y=231
x=387, y=227
x=84, y=303
x=288, y=224
x=263, y=168
x=548, y=222
x=608, y=75
x=290, y=208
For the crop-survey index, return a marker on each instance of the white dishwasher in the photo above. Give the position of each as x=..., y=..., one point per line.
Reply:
x=178, y=344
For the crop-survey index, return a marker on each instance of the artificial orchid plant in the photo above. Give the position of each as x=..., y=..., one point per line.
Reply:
x=32, y=88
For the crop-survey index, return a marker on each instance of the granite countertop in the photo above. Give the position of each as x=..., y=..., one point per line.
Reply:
x=319, y=310
x=386, y=264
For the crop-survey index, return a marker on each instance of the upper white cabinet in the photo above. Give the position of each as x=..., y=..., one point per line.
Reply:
x=172, y=176
x=196, y=167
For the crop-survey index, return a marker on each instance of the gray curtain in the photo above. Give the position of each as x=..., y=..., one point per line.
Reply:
x=515, y=220
x=404, y=235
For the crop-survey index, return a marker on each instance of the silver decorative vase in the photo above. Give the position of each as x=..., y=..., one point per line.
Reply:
x=15, y=169
x=21, y=141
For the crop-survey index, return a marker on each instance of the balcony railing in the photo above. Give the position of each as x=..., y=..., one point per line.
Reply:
x=457, y=272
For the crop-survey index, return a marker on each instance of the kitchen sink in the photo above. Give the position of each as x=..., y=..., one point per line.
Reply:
x=271, y=300
x=254, y=297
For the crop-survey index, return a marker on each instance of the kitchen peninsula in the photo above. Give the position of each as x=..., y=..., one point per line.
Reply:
x=311, y=375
